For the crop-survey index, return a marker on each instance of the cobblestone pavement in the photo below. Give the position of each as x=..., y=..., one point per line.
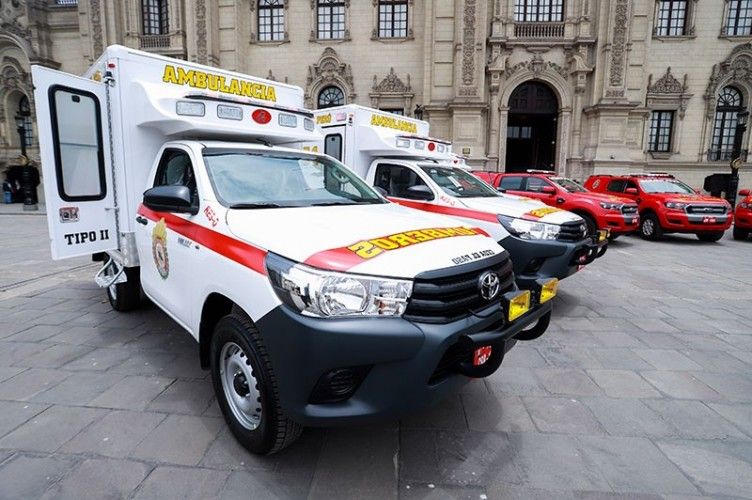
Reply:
x=642, y=388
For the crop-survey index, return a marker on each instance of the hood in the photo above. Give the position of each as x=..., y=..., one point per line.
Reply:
x=688, y=198
x=380, y=240
x=519, y=207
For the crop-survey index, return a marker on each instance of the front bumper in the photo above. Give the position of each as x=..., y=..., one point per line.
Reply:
x=619, y=223
x=536, y=259
x=682, y=222
x=399, y=357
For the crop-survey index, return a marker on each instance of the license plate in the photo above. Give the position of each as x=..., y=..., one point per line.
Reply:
x=631, y=221
x=481, y=355
x=709, y=220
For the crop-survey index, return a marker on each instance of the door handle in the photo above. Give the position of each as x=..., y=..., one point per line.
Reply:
x=142, y=220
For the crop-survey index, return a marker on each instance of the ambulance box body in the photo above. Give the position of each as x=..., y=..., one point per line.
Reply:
x=396, y=154
x=314, y=300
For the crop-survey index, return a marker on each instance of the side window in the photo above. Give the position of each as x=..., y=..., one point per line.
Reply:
x=333, y=146
x=77, y=138
x=617, y=186
x=175, y=169
x=630, y=184
x=535, y=184
x=396, y=179
x=511, y=182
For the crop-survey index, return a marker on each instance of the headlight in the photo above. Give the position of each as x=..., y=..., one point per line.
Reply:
x=530, y=229
x=744, y=205
x=610, y=206
x=314, y=292
x=675, y=205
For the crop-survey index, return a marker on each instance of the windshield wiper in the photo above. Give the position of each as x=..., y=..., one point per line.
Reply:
x=333, y=203
x=251, y=206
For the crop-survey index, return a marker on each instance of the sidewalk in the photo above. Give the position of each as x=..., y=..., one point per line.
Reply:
x=17, y=209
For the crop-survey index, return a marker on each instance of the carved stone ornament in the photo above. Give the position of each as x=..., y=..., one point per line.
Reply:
x=666, y=84
x=13, y=18
x=202, y=55
x=736, y=69
x=537, y=65
x=668, y=93
x=96, y=26
x=391, y=84
x=329, y=70
x=618, y=48
x=468, y=42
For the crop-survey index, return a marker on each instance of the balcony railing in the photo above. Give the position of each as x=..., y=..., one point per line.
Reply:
x=155, y=41
x=66, y=2
x=539, y=30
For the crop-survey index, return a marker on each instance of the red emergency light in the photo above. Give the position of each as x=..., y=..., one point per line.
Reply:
x=261, y=116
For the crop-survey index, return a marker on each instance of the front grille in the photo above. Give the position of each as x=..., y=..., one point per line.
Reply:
x=451, y=294
x=629, y=209
x=573, y=231
x=706, y=209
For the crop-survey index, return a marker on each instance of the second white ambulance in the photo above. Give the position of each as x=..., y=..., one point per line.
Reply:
x=313, y=299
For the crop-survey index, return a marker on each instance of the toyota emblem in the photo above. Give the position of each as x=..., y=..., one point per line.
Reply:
x=489, y=285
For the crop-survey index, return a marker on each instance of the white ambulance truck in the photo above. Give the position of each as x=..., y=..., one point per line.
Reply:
x=313, y=299
x=395, y=154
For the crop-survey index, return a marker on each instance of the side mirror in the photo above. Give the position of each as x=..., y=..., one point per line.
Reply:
x=419, y=192
x=548, y=190
x=632, y=191
x=744, y=192
x=381, y=191
x=175, y=199
x=501, y=189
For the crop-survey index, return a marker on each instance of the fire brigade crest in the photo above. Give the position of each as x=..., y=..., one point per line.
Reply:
x=159, y=248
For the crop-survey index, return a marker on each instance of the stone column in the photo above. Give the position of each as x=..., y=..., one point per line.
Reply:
x=502, y=139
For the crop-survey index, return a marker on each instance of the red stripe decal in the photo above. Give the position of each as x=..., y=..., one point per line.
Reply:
x=440, y=209
x=244, y=254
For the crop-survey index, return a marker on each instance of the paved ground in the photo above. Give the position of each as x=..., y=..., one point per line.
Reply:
x=642, y=388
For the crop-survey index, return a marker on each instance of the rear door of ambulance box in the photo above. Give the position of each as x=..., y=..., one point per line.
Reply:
x=74, y=145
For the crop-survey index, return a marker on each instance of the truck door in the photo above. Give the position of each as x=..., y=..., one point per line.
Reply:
x=166, y=241
x=74, y=145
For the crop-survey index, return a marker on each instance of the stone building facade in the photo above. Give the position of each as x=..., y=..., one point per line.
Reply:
x=578, y=86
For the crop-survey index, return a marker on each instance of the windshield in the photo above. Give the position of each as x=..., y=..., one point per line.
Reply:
x=456, y=182
x=665, y=186
x=569, y=185
x=243, y=179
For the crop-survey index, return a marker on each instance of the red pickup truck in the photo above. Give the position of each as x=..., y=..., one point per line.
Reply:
x=743, y=216
x=667, y=205
x=600, y=211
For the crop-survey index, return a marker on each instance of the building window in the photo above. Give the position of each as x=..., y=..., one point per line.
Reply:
x=392, y=18
x=331, y=96
x=271, y=20
x=394, y=111
x=66, y=2
x=724, y=125
x=155, y=17
x=540, y=11
x=672, y=18
x=661, y=127
x=739, y=18
x=330, y=19
x=24, y=111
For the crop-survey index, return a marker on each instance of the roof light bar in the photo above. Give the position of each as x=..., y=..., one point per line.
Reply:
x=229, y=112
x=188, y=108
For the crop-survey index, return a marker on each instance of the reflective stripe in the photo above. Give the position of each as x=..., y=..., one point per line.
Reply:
x=244, y=254
x=440, y=209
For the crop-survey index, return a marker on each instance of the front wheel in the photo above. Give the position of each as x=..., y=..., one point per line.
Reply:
x=710, y=237
x=124, y=296
x=650, y=228
x=246, y=388
x=592, y=227
x=741, y=234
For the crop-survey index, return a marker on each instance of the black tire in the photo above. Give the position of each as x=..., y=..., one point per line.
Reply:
x=592, y=227
x=273, y=431
x=710, y=237
x=741, y=234
x=612, y=237
x=536, y=331
x=650, y=227
x=126, y=296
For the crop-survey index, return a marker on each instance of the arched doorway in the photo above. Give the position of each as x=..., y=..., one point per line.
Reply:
x=531, y=128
